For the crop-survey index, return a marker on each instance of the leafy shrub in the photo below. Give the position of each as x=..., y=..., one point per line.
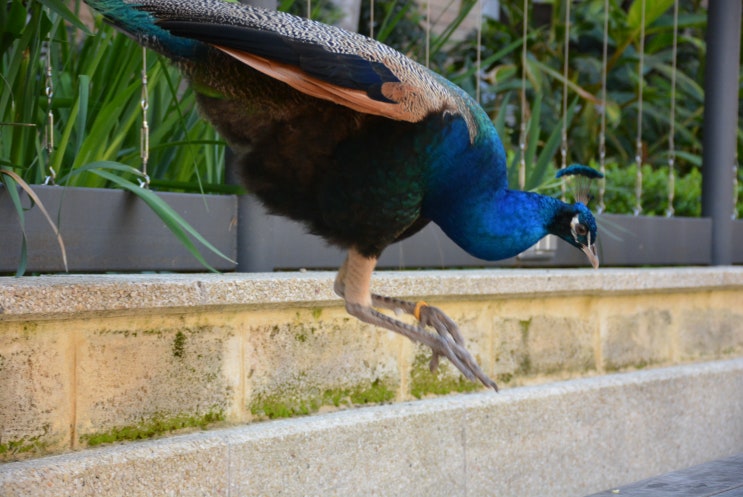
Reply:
x=96, y=103
x=620, y=191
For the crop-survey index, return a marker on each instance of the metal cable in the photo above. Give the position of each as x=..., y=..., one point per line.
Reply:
x=564, y=141
x=638, y=145
x=672, y=118
x=522, y=134
x=49, y=130
x=602, y=133
x=144, y=136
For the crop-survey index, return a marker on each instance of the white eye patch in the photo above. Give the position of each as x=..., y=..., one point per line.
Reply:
x=577, y=229
x=573, y=226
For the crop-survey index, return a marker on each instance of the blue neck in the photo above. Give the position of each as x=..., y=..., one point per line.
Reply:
x=495, y=225
x=468, y=195
x=456, y=164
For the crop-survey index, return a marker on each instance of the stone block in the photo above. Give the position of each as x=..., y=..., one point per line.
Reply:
x=710, y=332
x=316, y=358
x=379, y=451
x=638, y=339
x=138, y=378
x=567, y=439
x=558, y=344
x=510, y=350
x=36, y=389
x=102, y=358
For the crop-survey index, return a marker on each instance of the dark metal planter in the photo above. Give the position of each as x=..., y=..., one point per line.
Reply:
x=276, y=243
x=737, y=241
x=113, y=230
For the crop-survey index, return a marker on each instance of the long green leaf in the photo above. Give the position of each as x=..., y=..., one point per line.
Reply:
x=16, y=201
x=59, y=8
x=586, y=95
x=653, y=10
x=179, y=226
x=83, y=94
x=547, y=155
x=12, y=188
x=438, y=42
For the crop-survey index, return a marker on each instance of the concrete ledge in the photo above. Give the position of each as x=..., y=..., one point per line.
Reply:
x=562, y=439
x=66, y=295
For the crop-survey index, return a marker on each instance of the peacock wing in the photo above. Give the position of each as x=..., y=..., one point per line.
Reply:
x=314, y=58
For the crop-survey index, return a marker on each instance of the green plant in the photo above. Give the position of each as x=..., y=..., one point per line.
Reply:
x=321, y=10
x=502, y=70
x=620, y=190
x=96, y=107
x=96, y=104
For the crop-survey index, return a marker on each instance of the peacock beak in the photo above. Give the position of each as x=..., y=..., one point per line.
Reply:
x=590, y=251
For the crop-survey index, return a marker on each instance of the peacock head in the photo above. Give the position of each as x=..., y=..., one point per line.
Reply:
x=576, y=224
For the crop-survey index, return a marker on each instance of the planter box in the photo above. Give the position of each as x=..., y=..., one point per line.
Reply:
x=274, y=242
x=737, y=241
x=113, y=230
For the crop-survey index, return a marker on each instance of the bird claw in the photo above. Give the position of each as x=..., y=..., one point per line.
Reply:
x=433, y=366
x=443, y=324
x=452, y=346
x=448, y=342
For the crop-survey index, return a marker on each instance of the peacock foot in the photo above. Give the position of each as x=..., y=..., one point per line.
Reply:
x=449, y=332
x=448, y=342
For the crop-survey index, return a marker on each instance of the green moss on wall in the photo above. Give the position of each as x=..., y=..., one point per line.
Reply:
x=298, y=402
x=152, y=427
x=25, y=446
x=423, y=382
x=179, y=345
x=377, y=393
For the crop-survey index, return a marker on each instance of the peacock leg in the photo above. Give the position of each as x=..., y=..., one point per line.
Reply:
x=426, y=314
x=353, y=283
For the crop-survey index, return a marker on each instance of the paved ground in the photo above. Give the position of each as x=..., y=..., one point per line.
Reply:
x=721, y=478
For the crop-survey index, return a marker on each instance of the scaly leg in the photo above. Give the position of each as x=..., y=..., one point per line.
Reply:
x=353, y=284
x=427, y=315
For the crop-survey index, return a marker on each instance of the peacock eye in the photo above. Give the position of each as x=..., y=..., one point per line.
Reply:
x=581, y=230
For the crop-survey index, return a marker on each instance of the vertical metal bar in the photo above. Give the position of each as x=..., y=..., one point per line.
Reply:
x=720, y=123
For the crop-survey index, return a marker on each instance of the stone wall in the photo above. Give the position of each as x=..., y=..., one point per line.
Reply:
x=90, y=360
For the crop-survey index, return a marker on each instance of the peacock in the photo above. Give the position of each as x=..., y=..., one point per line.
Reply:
x=358, y=142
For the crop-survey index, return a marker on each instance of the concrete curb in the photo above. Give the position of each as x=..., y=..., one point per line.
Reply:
x=570, y=438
